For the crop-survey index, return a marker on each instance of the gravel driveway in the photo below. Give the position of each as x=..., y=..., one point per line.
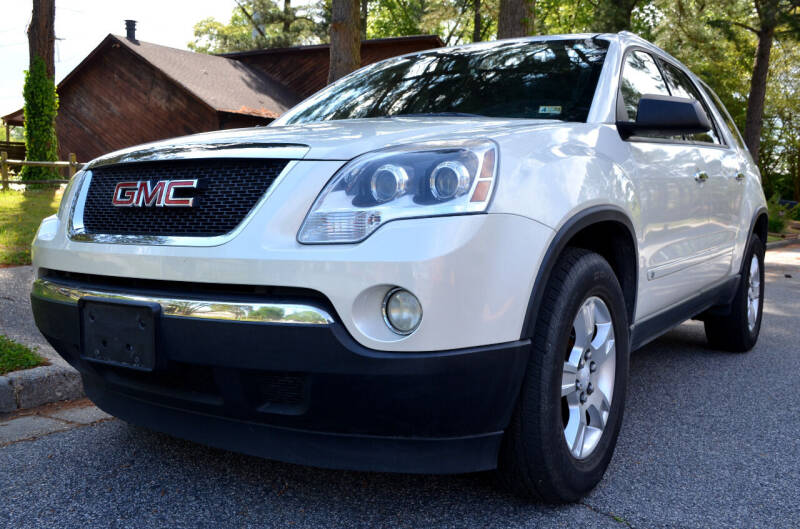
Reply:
x=709, y=439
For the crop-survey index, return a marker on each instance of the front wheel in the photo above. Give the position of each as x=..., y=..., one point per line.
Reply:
x=565, y=425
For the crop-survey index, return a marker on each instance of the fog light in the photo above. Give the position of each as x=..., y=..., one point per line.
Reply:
x=402, y=311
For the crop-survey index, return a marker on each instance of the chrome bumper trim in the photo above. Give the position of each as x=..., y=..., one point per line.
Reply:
x=285, y=313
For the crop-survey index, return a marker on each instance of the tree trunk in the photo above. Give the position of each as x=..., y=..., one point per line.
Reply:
x=345, y=38
x=364, y=8
x=758, y=91
x=41, y=34
x=287, y=16
x=516, y=18
x=612, y=16
x=476, y=24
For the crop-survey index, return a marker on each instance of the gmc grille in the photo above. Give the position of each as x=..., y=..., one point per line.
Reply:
x=227, y=191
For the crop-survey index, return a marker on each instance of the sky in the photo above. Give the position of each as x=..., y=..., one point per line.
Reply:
x=82, y=24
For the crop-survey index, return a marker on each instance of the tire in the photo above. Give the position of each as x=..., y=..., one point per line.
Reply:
x=736, y=331
x=535, y=459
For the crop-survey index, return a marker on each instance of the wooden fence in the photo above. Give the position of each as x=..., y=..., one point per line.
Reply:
x=5, y=163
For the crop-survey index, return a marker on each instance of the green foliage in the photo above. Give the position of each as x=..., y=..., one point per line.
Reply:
x=41, y=106
x=15, y=356
x=21, y=212
x=267, y=314
x=780, y=136
x=17, y=133
x=700, y=34
x=268, y=25
x=779, y=214
x=716, y=40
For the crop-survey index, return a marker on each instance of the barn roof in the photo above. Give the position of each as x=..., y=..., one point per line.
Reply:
x=223, y=84
x=263, y=83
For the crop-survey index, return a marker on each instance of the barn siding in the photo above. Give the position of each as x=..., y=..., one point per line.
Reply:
x=120, y=101
x=305, y=70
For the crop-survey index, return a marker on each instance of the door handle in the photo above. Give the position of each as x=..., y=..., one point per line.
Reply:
x=700, y=177
x=739, y=177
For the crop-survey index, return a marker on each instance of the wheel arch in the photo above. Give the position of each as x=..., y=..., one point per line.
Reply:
x=758, y=226
x=591, y=229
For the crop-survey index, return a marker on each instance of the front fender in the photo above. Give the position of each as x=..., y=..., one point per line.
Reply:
x=551, y=174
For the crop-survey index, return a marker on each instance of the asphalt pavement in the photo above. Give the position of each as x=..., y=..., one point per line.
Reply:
x=709, y=439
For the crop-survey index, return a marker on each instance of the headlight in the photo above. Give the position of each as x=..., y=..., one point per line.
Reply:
x=420, y=180
x=68, y=196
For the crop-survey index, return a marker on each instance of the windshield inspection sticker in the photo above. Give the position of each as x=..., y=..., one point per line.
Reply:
x=547, y=109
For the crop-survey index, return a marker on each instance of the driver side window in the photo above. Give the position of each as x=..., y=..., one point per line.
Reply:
x=640, y=76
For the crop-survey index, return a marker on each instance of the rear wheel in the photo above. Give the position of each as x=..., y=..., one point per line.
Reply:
x=738, y=330
x=565, y=426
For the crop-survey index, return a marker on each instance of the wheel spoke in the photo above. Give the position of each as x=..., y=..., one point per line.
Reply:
x=584, y=325
x=568, y=377
x=577, y=443
x=604, y=351
x=598, y=408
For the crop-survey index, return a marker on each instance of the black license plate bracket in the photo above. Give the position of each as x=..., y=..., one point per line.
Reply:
x=120, y=333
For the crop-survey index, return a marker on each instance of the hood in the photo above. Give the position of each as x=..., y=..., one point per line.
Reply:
x=325, y=140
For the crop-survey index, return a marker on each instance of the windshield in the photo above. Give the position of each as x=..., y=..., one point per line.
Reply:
x=553, y=79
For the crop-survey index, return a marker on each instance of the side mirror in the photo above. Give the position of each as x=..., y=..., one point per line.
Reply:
x=666, y=115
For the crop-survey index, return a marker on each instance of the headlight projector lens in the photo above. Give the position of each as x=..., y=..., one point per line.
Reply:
x=402, y=311
x=388, y=182
x=449, y=179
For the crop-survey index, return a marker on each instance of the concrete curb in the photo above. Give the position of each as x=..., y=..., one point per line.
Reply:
x=781, y=244
x=41, y=385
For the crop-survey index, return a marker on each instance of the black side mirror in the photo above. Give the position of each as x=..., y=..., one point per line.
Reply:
x=666, y=115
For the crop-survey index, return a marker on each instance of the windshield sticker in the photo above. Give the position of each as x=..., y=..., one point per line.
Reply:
x=549, y=109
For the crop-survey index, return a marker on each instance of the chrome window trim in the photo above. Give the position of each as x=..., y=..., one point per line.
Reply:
x=77, y=231
x=193, y=308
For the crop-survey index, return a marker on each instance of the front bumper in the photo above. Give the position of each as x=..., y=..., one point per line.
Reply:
x=303, y=393
x=473, y=274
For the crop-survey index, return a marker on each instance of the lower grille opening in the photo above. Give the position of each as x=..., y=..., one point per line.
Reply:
x=182, y=384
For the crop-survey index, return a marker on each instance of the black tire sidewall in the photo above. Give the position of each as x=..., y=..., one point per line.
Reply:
x=575, y=477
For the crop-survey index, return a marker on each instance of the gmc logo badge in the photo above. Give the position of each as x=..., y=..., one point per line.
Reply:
x=144, y=193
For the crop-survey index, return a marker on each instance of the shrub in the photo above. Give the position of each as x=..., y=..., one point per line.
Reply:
x=41, y=106
x=779, y=214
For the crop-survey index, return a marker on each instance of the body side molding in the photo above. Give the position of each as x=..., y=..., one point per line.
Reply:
x=648, y=330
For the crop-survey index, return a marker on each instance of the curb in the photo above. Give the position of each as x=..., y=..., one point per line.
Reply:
x=781, y=244
x=31, y=388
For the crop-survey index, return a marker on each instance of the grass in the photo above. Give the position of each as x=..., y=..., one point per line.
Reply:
x=773, y=238
x=15, y=356
x=20, y=215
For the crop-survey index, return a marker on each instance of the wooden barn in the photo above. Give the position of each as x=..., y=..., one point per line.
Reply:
x=127, y=92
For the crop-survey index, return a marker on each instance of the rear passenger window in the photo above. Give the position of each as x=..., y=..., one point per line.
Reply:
x=681, y=86
x=640, y=76
x=715, y=100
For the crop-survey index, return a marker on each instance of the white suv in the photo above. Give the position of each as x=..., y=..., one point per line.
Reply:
x=438, y=264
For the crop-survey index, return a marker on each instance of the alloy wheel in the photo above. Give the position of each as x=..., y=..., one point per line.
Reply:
x=587, y=383
x=753, y=293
